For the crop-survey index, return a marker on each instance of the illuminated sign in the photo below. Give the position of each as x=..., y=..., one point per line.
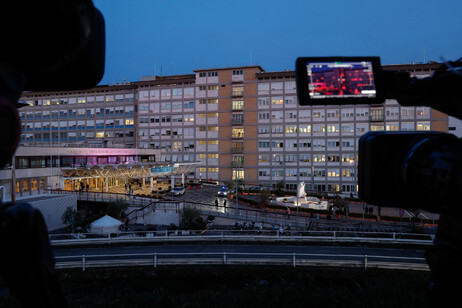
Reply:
x=157, y=170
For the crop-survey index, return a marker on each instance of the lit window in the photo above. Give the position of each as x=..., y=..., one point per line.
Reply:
x=423, y=125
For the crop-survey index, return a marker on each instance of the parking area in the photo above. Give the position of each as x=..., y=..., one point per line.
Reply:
x=205, y=195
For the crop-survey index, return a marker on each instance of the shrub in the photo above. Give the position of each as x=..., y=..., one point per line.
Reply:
x=191, y=219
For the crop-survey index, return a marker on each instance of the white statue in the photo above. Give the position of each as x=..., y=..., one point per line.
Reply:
x=301, y=192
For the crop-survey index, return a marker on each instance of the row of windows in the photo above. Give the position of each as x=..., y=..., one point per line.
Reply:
x=81, y=100
x=305, y=143
x=71, y=136
x=265, y=87
x=307, y=172
x=344, y=128
x=23, y=162
x=347, y=158
x=277, y=101
x=89, y=124
x=77, y=113
x=209, y=74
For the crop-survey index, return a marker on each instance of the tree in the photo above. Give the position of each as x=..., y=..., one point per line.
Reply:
x=264, y=196
x=340, y=204
x=230, y=184
x=72, y=217
x=280, y=185
x=191, y=219
x=117, y=209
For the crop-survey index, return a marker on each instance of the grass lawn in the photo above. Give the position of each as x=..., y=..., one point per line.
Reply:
x=242, y=287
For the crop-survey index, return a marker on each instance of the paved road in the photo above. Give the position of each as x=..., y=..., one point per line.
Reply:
x=354, y=253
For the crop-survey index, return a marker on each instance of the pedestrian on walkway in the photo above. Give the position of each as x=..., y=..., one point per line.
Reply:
x=216, y=202
x=224, y=203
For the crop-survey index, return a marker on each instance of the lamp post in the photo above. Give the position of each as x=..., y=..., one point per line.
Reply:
x=237, y=164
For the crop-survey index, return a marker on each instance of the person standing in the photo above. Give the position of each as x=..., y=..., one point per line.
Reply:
x=216, y=202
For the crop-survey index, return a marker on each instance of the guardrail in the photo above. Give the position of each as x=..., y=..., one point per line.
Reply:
x=105, y=196
x=234, y=258
x=270, y=236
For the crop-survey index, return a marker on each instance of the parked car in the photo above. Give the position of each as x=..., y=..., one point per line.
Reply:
x=255, y=188
x=177, y=191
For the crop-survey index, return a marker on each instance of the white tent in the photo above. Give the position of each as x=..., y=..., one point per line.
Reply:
x=105, y=224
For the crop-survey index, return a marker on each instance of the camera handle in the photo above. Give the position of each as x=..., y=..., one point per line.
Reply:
x=26, y=262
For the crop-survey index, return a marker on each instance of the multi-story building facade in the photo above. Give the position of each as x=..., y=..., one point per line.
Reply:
x=101, y=116
x=238, y=122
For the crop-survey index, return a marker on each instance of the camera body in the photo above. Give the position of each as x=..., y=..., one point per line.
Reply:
x=401, y=169
x=48, y=45
x=389, y=162
x=412, y=170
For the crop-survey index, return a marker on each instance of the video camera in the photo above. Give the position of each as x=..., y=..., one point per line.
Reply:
x=406, y=169
x=46, y=45
x=412, y=170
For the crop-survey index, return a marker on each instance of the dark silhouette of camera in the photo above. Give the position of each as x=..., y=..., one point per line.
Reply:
x=46, y=45
x=409, y=170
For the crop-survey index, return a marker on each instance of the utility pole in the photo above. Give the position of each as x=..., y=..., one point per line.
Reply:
x=237, y=164
x=13, y=181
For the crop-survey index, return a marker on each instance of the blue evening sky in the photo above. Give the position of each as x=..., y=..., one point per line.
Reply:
x=144, y=37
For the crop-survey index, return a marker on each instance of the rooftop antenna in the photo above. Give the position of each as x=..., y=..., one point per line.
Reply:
x=250, y=56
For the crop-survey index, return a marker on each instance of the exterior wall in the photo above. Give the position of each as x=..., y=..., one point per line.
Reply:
x=53, y=208
x=33, y=180
x=101, y=116
x=192, y=118
x=455, y=126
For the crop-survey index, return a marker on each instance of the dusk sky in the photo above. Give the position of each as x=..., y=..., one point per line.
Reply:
x=163, y=37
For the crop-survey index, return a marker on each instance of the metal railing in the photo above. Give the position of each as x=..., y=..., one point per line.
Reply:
x=236, y=258
x=268, y=236
x=158, y=205
x=105, y=196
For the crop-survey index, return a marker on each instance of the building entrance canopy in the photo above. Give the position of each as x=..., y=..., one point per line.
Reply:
x=130, y=170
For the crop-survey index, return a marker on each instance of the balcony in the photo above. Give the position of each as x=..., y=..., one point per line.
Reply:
x=239, y=149
x=237, y=121
x=237, y=135
x=238, y=163
x=237, y=93
x=377, y=118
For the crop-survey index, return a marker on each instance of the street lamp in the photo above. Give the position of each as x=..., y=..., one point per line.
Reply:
x=237, y=164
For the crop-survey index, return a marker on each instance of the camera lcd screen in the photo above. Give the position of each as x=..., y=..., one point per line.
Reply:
x=341, y=79
x=338, y=80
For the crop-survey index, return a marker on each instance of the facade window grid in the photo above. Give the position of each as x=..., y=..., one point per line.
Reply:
x=336, y=121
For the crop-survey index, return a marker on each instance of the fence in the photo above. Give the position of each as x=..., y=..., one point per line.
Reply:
x=268, y=236
x=106, y=197
x=235, y=258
